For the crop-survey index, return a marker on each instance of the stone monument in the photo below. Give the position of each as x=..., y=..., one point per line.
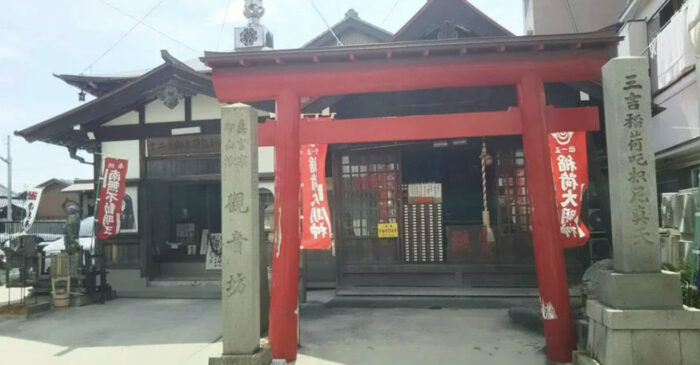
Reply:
x=240, y=252
x=638, y=317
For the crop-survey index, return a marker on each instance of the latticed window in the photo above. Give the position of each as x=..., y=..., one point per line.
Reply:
x=370, y=189
x=513, y=201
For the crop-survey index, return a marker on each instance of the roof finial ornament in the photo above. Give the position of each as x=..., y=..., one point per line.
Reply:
x=253, y=11
x=254, y=36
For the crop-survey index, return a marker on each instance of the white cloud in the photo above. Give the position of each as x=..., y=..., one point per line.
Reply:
x=233, y=14
x=11, y=46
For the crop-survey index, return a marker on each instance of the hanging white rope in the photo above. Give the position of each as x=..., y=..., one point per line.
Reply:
x=487, y=233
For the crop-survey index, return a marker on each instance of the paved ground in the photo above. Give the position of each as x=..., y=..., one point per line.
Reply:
x=173, y=331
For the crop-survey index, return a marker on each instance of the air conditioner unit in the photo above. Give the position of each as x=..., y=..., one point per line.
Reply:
x=667, y=212
x=687, y=214
x=678, y=201
x=595, y=221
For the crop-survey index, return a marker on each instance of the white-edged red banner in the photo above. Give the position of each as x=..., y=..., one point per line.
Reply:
x=316, y=223
x=570, y=171
x=111, y=197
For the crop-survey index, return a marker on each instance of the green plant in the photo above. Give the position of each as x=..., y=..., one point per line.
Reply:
x=691, y=294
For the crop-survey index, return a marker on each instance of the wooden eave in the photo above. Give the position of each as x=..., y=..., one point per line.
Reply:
x=126, y=98
x=496, y=47
x=95, y=85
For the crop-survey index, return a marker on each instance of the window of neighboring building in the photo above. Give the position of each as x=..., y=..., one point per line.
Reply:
x=659, y=20
x=654, y=26
x=694, y=183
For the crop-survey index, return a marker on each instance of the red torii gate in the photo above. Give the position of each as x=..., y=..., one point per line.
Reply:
x=527, y=62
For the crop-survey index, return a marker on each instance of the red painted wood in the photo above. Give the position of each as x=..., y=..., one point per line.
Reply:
x=572, y=119
x=266, y=133
x=549, y=253
x=245, y=85
x=284, y=311
x=426, y=127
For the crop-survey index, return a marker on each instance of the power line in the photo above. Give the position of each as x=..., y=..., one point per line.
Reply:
x=571, y=15
x=223, y=23
x=140, y=21
x=150, y=26
x=325, y=22
x=389, y=13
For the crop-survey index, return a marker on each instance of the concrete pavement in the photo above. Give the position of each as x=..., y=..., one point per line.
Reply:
x=187, y=331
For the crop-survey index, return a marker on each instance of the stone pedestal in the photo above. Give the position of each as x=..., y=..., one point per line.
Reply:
x=262, y=357
x=641, y=337
x=660, y=290
x=638, y=317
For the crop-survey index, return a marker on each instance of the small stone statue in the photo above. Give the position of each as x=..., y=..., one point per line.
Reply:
x=71, y=230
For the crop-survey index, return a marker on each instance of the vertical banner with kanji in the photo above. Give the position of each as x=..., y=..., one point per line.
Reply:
x=570, y=171
x=31, y=206
x=111, y=197
x=316, y=223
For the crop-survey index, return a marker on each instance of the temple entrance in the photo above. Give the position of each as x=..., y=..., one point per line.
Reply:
x=526, y=63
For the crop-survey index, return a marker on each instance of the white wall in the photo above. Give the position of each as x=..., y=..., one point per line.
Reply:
x=205, y=107
x=266, y=159
x=635, y=42
x=129, y=118
x=157, y=112
x=552, y=16
x=128, y=150
x=680, y=121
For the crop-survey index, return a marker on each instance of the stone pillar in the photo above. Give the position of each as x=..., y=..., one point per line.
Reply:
x=240, y=222
x=638, y=317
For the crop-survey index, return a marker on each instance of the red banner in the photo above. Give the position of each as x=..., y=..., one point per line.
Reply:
x=316, y=222
x=570, y=171
x=109, y=210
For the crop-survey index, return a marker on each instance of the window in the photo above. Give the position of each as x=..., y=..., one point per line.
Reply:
x=513, y=201
x=659, y=20
x=370, y=188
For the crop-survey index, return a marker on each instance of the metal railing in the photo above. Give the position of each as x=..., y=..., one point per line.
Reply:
x=48, y=229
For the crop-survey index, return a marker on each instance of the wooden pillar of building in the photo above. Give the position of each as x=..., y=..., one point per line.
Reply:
x=284, y=310
x=549, y=252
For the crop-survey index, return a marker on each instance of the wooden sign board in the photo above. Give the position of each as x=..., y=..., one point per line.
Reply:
x=201, y=144
x=388, y=230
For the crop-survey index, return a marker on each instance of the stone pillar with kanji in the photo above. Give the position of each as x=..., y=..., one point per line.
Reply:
x=240, y=241
x=637, y=316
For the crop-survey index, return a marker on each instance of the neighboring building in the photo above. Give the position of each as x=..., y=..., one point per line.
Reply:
x=86, y=195
x=570, y=16
x=52, y=199
x=667, y=33
x=165, y=122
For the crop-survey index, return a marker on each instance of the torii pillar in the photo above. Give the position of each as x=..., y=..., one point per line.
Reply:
x=284, y=300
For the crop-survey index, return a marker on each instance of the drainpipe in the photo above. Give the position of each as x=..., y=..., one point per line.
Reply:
x=73, y=152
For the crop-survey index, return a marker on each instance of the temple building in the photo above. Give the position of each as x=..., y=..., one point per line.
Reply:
x=166, y=122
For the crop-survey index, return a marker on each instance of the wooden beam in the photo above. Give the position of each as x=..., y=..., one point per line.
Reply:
x=426, y=127
x=332, y=78
x=266, y=131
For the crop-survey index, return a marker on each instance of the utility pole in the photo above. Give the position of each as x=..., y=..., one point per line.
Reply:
x=8, y=161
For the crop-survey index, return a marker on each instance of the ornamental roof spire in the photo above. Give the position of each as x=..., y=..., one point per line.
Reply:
x=254, y=36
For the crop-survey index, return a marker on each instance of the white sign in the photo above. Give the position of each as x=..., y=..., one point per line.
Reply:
x=31, y=206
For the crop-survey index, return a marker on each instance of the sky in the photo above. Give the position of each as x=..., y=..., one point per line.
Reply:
x=43, y=37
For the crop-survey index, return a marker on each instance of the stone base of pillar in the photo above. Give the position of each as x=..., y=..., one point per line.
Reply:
x=262, y=357
x=660, y=290
x=641, y=336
